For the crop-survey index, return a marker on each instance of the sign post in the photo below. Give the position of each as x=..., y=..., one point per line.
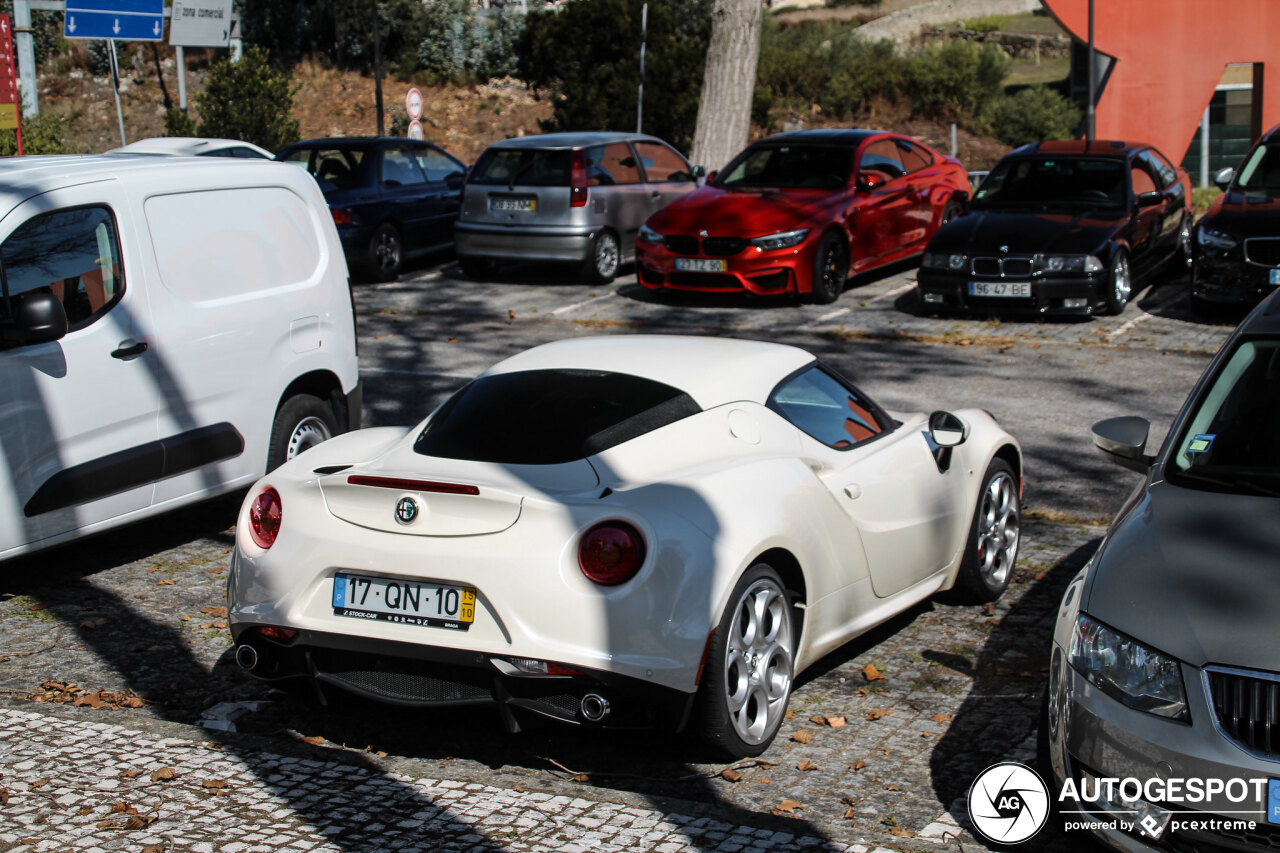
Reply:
x=197, y=23
x=130, y=20
x=8, y=83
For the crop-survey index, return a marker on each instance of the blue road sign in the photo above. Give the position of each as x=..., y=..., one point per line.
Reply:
x=128, y=20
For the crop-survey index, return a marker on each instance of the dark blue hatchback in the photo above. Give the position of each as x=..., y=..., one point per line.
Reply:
x=391, y=198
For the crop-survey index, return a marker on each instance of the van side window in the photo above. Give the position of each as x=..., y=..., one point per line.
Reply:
x=73, y=254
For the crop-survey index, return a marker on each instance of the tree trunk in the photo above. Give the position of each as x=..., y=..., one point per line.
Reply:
x=724, y=113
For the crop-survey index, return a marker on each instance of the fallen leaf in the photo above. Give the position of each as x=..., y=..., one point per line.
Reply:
x=802, y=736
x=789, y=806
x=214, y=611
x=730, y=775
x=166, y=582
x=819, y=719
x=84, y=811
x=860, y=692
x=994, y=622
x=214, y=784
x=892, y=787
x=858, y=765
x=123, y=807
x=926, y=734
x=153, y=570
x=836, y=722
x=791, y=714
x=806, y=765
x=764, y=781
x=139, y=821
x=450, y=340
x=153, y=848
x=4, y=796
x=511, y=315
x=875, y=715
x=37, y=785
x=870, y=673
x=941, y=718
x=90, y=625
x=582, y=777
x=314, y=740
x=133, y=702
x=163, y=774
x=900, y=832
x=848, y=813
x=988, y=610
x=4, y=659
x=130, y=774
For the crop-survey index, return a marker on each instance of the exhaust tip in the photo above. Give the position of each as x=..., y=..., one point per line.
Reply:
x=594, y=707
x=246, y=657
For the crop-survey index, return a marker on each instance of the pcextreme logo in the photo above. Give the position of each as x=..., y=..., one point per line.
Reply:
x=1008, y=803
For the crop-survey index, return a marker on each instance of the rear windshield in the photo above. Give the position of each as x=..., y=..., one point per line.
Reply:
x=341, y=167
x=527, y=167
x=545, y=417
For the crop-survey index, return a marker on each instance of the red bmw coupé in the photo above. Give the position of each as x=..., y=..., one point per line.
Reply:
x=799, y=212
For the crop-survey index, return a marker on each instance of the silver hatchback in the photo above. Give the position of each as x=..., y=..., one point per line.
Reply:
x=569, y=197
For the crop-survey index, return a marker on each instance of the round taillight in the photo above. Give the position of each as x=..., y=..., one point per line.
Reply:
x=611, y=553
x=264, y=517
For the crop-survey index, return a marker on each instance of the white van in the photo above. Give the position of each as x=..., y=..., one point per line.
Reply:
x=169, y=331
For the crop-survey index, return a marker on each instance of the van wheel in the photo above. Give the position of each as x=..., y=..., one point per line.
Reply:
x=747, y=681
x=302, y=422
x=604, y=256
x=385, y=252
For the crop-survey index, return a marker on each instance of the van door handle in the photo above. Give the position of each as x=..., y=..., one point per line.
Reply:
x=129, y=348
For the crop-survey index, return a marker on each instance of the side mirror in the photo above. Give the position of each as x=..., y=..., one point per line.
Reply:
x=1123, y=440
x=38, y=317
x=1223, y=178
x=871, y=181
x=1149, y=199
x=698, y=172
x=947, y=430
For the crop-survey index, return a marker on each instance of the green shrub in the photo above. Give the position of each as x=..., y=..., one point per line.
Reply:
x=586, y=55
x=957, y=79
x=865, y=71
x=987, y=24
x=44, y=133
x=247, y=100
x=1032, y=115
x=178, y=123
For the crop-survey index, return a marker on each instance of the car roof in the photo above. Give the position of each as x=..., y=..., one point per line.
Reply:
x=354, y=142
x=1263, y=320
x=577, y=139
x=828, y=135
x=713, y=371
x=1111, y=148
x=185, y=145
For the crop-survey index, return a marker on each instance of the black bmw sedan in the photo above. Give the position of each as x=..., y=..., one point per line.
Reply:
x=1063, y=227
x=1237, y=241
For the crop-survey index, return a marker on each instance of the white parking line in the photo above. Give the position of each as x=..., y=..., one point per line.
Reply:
x=1145, y=316
x=825, y=317
x=575, y=305
x=893, y=294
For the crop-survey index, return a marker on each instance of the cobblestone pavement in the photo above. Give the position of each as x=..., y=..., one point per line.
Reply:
x=95, y=629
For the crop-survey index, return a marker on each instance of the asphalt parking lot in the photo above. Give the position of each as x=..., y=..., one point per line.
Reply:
x=114, y=651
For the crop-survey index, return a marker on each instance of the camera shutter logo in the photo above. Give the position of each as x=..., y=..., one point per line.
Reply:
x=1008, y=803
x=406, y=510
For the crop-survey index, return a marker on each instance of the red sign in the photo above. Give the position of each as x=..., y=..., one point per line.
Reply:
x=8, y=79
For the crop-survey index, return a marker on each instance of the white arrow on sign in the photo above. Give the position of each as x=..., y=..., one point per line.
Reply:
x=71, y=27
x=116, y=28
x=155, y=28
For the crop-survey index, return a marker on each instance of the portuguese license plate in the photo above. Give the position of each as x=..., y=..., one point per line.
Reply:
x=701, y=265
x=407, y=602
x=516, y=205
x=1009, y=289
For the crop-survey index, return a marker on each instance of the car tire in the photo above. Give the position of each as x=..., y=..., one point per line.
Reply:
x=991, y=549
x=302, y=421
x=830, y=266
x=478, y=268
x=604, y=256
x=1119, y=284
x=386, y=253
x=749, y=667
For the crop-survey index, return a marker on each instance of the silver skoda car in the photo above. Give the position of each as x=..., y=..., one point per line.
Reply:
x=1162, y=722
x=576, y=197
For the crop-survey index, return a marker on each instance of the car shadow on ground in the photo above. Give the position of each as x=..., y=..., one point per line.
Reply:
x=531, y=274
x=1000, y=716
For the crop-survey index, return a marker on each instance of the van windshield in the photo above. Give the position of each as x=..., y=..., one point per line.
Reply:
x=527, y=167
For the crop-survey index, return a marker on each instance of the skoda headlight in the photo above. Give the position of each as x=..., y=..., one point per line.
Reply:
x=781, y=240
x=1069, y=263
x=1215, y=239
x=1128, y=671
x=945, y=261
x=648, y=235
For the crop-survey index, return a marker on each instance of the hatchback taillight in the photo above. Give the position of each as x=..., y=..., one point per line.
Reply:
x=340, y=216
x=611, y=553
x=578, y=190
x=264, y=518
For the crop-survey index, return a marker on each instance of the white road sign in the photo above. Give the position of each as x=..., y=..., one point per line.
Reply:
x=200, y=23
x=413, y=103
x=415, y=129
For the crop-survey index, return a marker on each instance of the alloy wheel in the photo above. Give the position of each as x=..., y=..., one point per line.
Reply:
x=758, y=661
x=997, y=529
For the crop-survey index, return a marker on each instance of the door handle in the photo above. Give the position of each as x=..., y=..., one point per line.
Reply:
x=129, y=348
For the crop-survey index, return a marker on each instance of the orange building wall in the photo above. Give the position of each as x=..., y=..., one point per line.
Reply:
x=1170, y=54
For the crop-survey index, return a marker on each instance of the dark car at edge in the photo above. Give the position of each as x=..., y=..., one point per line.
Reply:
x=1065, y=227
x=1237, y=241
